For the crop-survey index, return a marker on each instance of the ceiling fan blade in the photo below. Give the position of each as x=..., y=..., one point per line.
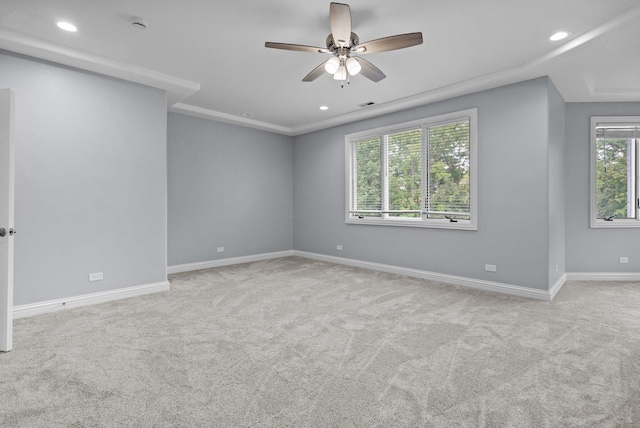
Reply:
x=370, y=71
x=298, y=48
x=389, y=43
x=315, y=73
x=340, y=15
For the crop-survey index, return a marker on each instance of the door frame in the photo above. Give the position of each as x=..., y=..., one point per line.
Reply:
x=7, y=180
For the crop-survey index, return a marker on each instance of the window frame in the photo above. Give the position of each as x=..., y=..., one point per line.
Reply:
x=423, y=221
x=594, y=221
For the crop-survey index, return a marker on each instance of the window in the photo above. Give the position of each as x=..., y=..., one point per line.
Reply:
x=615, y=147
x=420, y=173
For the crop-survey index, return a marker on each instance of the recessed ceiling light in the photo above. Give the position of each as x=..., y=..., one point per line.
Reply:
x=559, y=35
x=324, y=108
x=67, y=26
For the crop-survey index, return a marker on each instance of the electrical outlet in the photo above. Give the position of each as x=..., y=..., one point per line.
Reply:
x=624, y=259
x=490, y=268
x=556, y=268
x=339, y=247
x=95, y=276
x=221, y=249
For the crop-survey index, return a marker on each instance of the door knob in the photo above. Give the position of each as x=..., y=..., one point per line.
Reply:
x=3, y=232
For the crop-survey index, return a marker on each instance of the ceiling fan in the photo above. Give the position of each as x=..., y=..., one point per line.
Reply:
x=344, y=45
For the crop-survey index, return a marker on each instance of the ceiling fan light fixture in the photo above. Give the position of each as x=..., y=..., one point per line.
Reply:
x=332, y=65
x=341, y=74
x=353, y=66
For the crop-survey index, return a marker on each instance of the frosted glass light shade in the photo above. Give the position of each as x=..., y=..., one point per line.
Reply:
x=353, y=66
x=341, y=74
x=332, y=65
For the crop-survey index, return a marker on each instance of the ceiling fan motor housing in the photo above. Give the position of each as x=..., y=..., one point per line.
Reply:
x=333, y=47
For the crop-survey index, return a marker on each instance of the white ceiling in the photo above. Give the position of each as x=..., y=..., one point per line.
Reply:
x=210, y=56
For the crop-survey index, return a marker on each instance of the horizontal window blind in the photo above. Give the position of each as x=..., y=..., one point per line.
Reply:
x=448, y=162
x=419, y=171
x=367, y=177
x=404, y=173
x=616, y=171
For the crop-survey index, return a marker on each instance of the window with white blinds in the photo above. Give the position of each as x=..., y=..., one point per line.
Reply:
x=615, y=180
x=420, y=173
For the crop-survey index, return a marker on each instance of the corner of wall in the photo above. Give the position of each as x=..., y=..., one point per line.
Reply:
x=556, y=184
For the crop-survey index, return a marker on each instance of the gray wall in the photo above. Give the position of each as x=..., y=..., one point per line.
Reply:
x=90, y=181
x=513, y=192
x=556, y=185
x=91, y=188
x=593, y=250
x=228, y=187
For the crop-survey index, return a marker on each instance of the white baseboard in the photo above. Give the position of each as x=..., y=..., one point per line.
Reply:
x=226, y=262
x=555, y=288
x=513, y=290
x=497, y=287
x=603, y=276
x=32, y=309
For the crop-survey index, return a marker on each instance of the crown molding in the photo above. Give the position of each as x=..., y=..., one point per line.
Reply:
x=177, y=89
x=609, y=93
x=524, y=71
x=463, y=88
x=489, y=81
x=204, y=113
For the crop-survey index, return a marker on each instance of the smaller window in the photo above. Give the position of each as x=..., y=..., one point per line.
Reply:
x=615, y=147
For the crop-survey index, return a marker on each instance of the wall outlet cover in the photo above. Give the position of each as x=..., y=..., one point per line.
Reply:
x=490, y=268
x=95, y=276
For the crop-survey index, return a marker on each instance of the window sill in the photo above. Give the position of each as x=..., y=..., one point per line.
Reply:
x=429, y=224
x=615, y=224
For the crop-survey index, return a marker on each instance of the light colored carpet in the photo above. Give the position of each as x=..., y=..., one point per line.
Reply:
x=295, y=342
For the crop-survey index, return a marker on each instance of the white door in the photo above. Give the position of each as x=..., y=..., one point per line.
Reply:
x=6, y=219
